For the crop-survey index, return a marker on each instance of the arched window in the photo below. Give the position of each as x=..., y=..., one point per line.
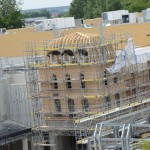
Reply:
x=108, y=102
x=71, y=105
x=57, y=105
x=117, y=98
x=54, y=82
x=68, y=81
x=83, y=52
x=85, y=105
x=105, y=74
x=82, y=82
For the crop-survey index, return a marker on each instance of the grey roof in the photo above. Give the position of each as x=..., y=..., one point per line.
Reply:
x=11, y=131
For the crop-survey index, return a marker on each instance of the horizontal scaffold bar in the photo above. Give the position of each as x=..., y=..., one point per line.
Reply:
x=38, y=65
x=100, y=114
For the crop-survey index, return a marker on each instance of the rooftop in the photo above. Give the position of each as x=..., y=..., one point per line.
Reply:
x=14, y=43
x=11, y=131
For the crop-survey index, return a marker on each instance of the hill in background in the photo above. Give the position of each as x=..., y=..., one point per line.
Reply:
x=50, y=9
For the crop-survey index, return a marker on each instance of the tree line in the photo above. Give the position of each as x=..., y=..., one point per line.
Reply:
x=41, y=13
x=89, y=9
x=10, y=14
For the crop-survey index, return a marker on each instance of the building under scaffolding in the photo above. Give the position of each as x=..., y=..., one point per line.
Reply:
x=79, y=80
x=15, y=108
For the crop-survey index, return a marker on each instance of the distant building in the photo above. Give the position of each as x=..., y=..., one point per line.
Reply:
x=114, y=16
x=146, y=14
x=121, y=16
x=2, y=30
x=31, y=21
x=79, y=22
x=56, y=23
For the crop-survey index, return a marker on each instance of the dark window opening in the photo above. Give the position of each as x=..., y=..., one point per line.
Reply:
x=149, y=73
x=117, y=98
x=132, y=75
x=148, y=62
x=55, y=84
x=85, y=105
x=68, y=81
x=105, y=82
x=115, y=79
x=105, y=74
x=82, y=82
x=133, y=91
x=125, y=18
x=82, y=21
x=71, y=105
x=57, y=105
x=108, y=102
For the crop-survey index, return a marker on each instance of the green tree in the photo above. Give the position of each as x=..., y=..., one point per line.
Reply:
x=10, y=15
x=64, y=14
x=41, y=13
x=88, y=10
x=77, y=8
x=113, y=5
x=97, y=11
x=93, y=8
x=136, y=5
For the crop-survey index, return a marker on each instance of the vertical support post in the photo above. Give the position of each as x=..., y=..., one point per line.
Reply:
x=116, y=131
x=100, y=137
x=127, y=137
x=52, y=141
x=94, y=137
x=25, y=144
x=122, y=137
x=148, y=118
x=103, y=51
x=1, y=71
x=54, y=31
x=89, y=143
x=101, y=33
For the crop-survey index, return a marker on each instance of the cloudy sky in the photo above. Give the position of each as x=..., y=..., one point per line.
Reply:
x=31, y=4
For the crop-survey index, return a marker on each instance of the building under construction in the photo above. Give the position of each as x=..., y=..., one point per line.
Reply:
x=81, y=84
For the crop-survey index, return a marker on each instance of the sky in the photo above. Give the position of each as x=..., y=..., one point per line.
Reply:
x=32, y=4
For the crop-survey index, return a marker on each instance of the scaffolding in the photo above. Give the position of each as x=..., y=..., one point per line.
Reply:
x=125, y=132
x=72, y=90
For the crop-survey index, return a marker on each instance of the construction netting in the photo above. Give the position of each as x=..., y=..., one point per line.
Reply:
x=130, y=56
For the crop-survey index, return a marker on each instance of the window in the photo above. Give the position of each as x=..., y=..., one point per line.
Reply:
x=148, y=62
x=108, y=102
x=71, y=105
x=132, y=75
x=68, y=81
x=55, y=85
x=57, y=105
x=133, y=91
x=115, y=79
x=85, y=105
x=105, y=82
x=105, y=74
x=82, y=82
x=117, y=98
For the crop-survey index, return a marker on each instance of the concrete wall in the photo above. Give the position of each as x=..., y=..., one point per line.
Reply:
x=4, y=111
